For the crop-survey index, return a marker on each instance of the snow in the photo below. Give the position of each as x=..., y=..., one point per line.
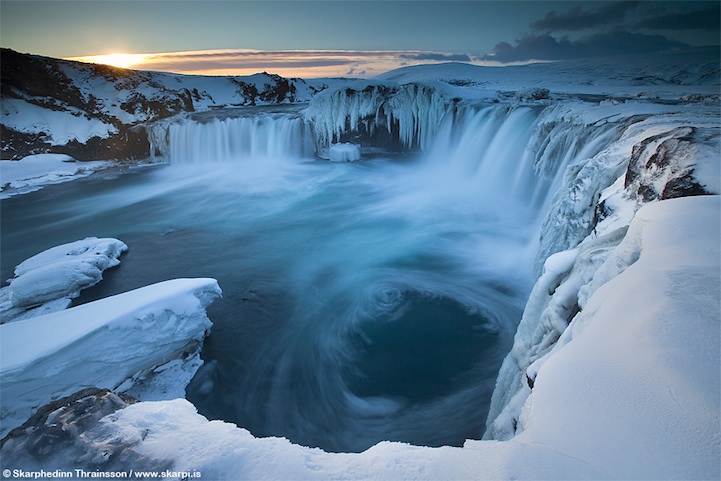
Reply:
x=48, y=280
x=642, y=360
x=576, y=227
x=34, y=171
x=112, y=342
x=569, y=218
x=61, y=126
x=672, y=75
x=344, y=152
x=614, y=371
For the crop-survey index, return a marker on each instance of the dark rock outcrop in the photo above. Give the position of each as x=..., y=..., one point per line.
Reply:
x=63, y=435
x=662, y=166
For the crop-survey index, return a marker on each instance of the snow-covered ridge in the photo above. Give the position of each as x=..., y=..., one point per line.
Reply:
x=93, y=112
x=692, y=73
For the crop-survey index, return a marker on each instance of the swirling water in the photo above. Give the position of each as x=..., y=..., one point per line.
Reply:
x=362, y=302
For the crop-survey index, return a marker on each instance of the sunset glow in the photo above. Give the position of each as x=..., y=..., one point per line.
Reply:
x=122, y=60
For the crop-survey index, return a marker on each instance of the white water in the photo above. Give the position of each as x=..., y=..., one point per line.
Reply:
x=231, y=135
x=362, y=302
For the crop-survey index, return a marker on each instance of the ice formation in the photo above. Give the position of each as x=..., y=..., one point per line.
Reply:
x=130, y=342
x=48, y=281
x=345, y=152
x=408, y=114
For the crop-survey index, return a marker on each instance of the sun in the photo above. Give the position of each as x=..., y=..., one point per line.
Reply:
x=122, y=60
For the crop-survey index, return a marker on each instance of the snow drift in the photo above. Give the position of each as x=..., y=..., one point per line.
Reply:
x=129, y=343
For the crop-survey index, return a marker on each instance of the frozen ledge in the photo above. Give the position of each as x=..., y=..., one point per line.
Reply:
x=118, y=343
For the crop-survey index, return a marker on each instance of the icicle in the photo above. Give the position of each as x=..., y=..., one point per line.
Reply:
x=409, y=114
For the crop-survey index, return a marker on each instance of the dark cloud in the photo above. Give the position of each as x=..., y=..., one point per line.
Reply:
x=442, y=57
x=615, y=42
x=708, y=19
x=578, y=19
x=353, y=71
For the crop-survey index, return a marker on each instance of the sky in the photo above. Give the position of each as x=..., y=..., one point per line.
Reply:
x=345, y=37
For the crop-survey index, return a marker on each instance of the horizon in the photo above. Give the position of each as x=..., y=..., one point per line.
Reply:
x=311, y=39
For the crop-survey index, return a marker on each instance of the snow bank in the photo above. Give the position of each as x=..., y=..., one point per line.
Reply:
x=683, y=74
x=630, y=392
x=658, y=153
x=47, y=281
x=119, y=342
x=638, y=371
x=34, y=171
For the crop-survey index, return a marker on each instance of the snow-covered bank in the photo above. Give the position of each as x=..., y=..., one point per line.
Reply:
x=666, y=155
x=33, y=172
x=130, y=343
x=630, y=392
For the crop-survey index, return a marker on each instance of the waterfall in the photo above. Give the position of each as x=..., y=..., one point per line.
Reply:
x=513, y=158
x=231, y=139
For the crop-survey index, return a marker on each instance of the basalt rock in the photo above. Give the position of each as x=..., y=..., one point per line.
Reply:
x=65, y=434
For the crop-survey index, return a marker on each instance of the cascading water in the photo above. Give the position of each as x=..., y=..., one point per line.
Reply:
x=231, y=136
x=363, y=301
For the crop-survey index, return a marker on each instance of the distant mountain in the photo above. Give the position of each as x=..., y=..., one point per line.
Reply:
x=629, y=75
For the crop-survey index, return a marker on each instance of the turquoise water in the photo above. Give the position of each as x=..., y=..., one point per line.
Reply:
x=362, y=302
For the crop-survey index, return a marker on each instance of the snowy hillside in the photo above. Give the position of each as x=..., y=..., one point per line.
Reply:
x=673, y=75
x=93, y=112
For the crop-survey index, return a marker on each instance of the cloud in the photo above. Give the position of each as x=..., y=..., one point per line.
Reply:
x=442, y=57
x=578, y=19
x=708, y=19
x=287, y=63
x=615, y=42
x=618, y=28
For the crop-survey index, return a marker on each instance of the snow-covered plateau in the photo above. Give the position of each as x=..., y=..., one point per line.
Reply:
x=600, y=182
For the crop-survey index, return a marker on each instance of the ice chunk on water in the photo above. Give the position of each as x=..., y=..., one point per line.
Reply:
x=345, y=152
x=58, y=273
